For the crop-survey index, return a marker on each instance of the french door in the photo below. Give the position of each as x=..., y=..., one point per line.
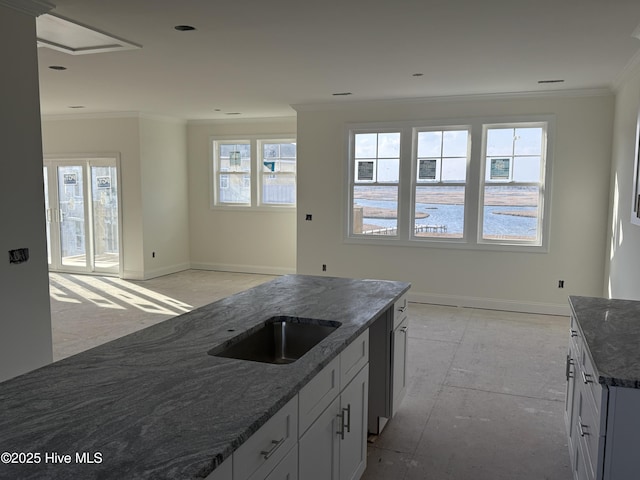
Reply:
x=83, y=215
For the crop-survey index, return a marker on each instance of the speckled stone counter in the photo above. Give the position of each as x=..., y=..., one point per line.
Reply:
x=155, y=405
x=611, y=330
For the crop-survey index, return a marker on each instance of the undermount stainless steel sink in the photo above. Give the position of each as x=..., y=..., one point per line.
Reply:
x=278, y=340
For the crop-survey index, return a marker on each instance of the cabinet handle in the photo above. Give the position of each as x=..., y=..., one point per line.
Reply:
x=581, y=427
x=275, y=445
x=348, y=410
x=586, y=378
x=569, y=373
x=572, y=332
x=404, y=329
x=341, y=431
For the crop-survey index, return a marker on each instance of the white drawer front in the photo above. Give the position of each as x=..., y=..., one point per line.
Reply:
x=269, y=445
x=318, y=394
x=400, y=311
x=353, y=358
x=287, y=469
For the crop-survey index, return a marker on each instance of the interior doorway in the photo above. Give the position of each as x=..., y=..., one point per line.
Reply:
x=82, y=204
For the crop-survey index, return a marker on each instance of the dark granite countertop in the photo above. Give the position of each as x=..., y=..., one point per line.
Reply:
x=611, y=330
x=155, y=405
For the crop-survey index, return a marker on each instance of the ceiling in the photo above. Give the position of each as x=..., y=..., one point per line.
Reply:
x=249, y=58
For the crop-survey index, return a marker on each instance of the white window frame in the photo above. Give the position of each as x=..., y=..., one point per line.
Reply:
x=474, y=184
x=256, y=173
x=545, y=172
x=261, y=173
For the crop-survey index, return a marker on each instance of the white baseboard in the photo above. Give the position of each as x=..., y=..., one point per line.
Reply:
x=157, y=272
x=258, y=269
x=491, y=303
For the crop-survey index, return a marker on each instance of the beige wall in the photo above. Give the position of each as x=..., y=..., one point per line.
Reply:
x=25, y=318
x=163, y=165
x=86, y=135
x=236, y=240
x=153, y=172
x=623, y=273
x=515, y=281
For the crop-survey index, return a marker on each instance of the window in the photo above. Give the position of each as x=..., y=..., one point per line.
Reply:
x=513, y=187
x=254, y=172
x=417, y=184
x=440, y=183
x=375, y=184
x=278, y=172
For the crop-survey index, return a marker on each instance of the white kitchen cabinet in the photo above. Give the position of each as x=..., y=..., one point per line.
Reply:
x=602, y=421
x=287, y=469
x=399, y=377
x=335, y=446
x=259, y=455
x=353, y=431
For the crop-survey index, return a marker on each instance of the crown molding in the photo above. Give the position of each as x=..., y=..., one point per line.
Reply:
x=107, y=115
x=584, y=92
x=35, y=8
x=229, y=121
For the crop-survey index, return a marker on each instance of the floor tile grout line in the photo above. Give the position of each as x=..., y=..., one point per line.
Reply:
x=504, y=393
x=437, y=396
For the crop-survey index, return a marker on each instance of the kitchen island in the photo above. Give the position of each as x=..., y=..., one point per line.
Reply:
x=603, y=388
x=155, y=405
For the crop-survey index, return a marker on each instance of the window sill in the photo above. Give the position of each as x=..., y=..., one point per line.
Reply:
x=460, y=244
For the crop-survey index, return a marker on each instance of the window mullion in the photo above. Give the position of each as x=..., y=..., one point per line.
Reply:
x=474, y=193
x=405, y=187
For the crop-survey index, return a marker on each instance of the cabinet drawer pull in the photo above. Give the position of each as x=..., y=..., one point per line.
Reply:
x=586, y=378
x=275, y=445
x=581, y=427
x=568, y=371
x=573, y=333
x=341, y=431
x=348, y=410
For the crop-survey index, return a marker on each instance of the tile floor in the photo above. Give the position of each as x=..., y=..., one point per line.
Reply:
x=486, y=391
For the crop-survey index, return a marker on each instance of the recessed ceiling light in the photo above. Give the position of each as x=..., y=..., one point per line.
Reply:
x=76, y=106
x=233, y=113
x=551, y=81
x=217, y=110
x=184, y=28
x=417, y=75
x=57, y=67
x=341, y=94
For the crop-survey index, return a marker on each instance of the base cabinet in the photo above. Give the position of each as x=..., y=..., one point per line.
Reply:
x=335, y=446
x=602, y=422
x=320, y=434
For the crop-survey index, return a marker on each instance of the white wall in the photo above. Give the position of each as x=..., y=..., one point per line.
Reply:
x=238, y=240
x=25, y=318
x=163, y=165
x=84, y=135
x=508, y=280
x=623, y=273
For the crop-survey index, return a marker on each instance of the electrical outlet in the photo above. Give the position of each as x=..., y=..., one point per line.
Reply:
x=153, y=254
x=308, y=217
x=19, y=255
x=560, y=283
x=324, y=267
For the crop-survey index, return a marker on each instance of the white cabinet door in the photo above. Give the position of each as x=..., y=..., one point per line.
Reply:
x=319, y=447
x=354, y=407
x=400, y=341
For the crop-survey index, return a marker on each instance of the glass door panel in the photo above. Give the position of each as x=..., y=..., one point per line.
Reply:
x=48, y=213
x=71, y=204
x=106, y=247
